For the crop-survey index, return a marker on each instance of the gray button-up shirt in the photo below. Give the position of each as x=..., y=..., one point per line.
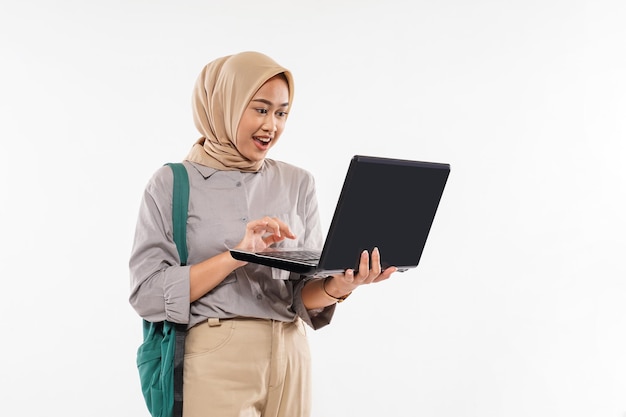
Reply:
x=220, y=205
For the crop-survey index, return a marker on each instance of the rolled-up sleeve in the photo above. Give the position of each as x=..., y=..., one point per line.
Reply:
x=159, y=284
x=316, y=319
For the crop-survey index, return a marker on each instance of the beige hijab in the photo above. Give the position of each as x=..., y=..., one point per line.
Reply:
x=221, y=93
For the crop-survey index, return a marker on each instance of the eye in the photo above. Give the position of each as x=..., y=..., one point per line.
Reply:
x=262, y=111
x=281, y=114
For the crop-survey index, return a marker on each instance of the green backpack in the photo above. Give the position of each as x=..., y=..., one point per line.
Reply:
x=160, y=356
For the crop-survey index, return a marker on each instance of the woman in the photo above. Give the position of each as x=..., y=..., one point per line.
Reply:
x=246, y=352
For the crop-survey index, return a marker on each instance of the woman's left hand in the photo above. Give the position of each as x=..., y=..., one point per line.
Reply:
x=369, y=271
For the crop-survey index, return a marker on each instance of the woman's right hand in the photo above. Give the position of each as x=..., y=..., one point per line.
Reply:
x=262, y=233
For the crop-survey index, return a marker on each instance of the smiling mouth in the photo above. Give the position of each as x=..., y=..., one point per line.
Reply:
x=262, y=140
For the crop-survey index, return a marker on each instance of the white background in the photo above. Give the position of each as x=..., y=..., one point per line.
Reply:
x=518, y=306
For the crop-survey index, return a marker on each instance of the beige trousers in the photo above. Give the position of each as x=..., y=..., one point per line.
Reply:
x=247, y=368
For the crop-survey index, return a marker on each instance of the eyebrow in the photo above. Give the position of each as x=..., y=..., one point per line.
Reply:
x=269, y=103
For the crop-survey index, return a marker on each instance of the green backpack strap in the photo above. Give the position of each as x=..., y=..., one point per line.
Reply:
x=180, y=206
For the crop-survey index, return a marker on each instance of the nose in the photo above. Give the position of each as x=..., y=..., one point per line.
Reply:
x=270, y=124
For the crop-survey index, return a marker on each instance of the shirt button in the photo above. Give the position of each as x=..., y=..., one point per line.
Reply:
x=238, y=184
x=259, y=296
x=244, y=219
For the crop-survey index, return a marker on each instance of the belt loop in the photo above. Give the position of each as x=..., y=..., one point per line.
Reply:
x=214, y=322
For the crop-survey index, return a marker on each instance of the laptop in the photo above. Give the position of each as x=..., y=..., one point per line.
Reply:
x=384, y=202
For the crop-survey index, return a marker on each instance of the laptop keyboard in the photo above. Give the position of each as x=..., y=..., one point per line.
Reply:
x=296, y=255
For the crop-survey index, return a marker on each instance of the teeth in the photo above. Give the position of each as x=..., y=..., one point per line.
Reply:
x=264, y=140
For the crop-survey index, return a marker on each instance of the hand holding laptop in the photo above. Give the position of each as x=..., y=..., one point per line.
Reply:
x=335, y=288
x=369, y=271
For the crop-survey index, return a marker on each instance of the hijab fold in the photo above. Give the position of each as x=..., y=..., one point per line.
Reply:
x=221, y=94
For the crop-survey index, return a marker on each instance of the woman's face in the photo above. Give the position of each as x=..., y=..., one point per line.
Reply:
x=264, y=119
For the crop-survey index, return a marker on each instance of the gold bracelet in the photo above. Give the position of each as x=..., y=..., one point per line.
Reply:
x=340, y=299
